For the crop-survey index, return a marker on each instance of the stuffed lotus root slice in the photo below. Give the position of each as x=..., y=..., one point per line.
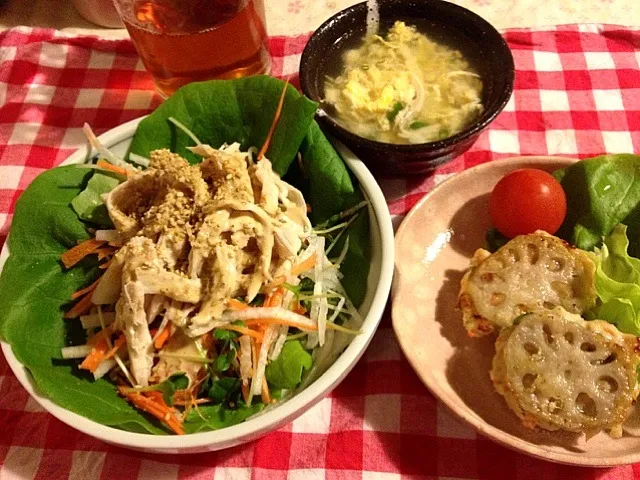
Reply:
x=529, y=272
x=557, y=371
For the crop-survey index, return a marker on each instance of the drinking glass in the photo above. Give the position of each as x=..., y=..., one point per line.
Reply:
x=183, y=41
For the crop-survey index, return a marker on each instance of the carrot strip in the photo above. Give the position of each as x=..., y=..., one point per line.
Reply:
x=299, y=309
x=302, y=267
x=245, y=331
x=120, y=341
x=159, y=410
x=162, y=338
x=298, y=269
x=272, y=129
x=80, y=308
x=266, y=397
x=96, y=356
x=112, y=168
x=274, y=299
x=197, y=401
x=77, y=253
x=236, y=305
x=85, y=290
x=278, y=321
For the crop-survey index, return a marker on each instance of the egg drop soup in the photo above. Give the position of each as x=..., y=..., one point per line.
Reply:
x=404, y=88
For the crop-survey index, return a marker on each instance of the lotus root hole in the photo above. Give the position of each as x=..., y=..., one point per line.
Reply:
x=567, y=374
x=556, y=264
x=606, y=360
x=563, y=289
x=549, y=305
x=515, y=256
x=569, y=337
x=528, y=380
x=487, y=277
x=548, y=335
x=555, y=405
x=497, y=299
x=533, y=254
x=531, y=349
x=586, y=405
x=588, y=347
x=608, y=384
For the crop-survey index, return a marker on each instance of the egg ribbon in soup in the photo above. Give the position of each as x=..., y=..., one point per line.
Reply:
x=404, y=88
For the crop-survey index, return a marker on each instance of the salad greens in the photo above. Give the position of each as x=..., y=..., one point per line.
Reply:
x=601, y=193
x=603, y=213
x=88, y=204
x=286, y=370
x=228, y=111
x=618, y=283
x=54, y=212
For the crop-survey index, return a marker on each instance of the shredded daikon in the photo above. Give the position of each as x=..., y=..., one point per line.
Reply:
x=263, y=357
x=300, y=321
x=104, y=367
x=79, y=351
x=188, y=132
x=279, y=343
x=139, y=159
x=103, y=151
x=246, y=363
x=93, y=320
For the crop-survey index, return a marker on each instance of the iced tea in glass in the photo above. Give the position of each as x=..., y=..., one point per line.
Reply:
x=183, y=41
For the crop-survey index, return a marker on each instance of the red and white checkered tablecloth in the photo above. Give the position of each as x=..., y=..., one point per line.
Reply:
x=577, y=93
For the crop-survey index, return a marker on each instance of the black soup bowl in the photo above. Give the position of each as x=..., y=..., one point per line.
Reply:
x=444, y=22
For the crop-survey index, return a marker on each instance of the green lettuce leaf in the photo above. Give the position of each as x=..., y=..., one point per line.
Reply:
x=618, y=283
x=88, y=204
x=286, y=370
x=601, y=193
x=228, y=111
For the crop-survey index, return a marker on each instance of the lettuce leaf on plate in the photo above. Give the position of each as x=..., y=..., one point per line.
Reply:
x=601, y=193
x=35, y=291
x=618, y=283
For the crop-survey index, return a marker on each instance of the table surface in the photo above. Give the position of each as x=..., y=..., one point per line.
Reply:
x=577, y=93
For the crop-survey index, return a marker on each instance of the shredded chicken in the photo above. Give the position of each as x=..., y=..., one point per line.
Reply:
x=194, y=237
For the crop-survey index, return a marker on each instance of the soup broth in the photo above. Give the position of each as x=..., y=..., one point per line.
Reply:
x=403, y=87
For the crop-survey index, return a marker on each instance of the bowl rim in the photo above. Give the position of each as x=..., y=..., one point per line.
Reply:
x=283, y=413
x=446, y=143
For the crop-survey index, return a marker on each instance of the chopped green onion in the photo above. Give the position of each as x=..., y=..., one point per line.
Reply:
x=395, y=110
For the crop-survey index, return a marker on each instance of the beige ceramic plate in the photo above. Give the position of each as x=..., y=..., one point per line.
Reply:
x=433, y=247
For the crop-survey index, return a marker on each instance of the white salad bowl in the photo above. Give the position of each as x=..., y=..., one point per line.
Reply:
x=378, y=287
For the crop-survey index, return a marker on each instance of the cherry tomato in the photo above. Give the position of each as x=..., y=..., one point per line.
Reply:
x=527, y=200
